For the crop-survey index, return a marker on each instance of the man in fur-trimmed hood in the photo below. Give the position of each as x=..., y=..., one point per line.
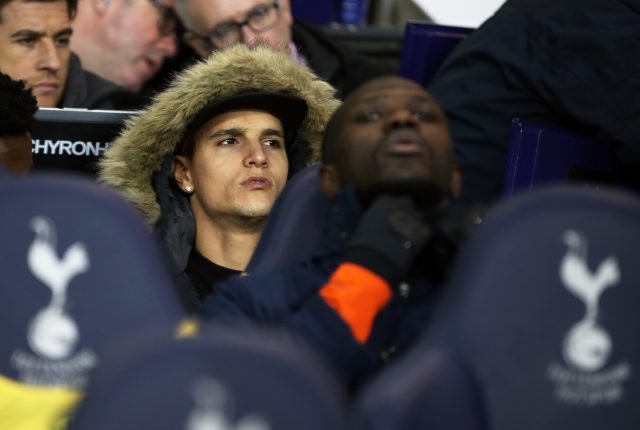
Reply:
x=156, y=161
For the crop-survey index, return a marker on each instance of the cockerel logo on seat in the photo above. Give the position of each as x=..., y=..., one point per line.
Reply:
x=53, y=333
x=214, y=409
x=586, y=380
x=587, y=346
x=54, y=358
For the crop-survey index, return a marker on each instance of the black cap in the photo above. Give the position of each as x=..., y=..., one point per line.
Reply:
x=290, y=110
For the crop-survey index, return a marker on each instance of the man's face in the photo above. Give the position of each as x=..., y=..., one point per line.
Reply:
x=34, y=47
x=205, y=16
x=136, y=37
x=239, y=166
x=15, y=153
x=391, y=130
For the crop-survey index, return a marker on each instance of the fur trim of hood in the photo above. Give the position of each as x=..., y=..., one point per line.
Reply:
x=129, y=164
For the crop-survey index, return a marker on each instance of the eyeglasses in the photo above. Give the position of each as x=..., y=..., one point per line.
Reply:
x=167, y=20
x=259, y=19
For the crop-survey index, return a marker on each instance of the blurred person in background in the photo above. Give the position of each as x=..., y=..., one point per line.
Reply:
x=217, y=24
x=124, y=41
x=34, y=48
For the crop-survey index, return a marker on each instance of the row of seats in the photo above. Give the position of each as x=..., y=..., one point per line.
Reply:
x=537, y=330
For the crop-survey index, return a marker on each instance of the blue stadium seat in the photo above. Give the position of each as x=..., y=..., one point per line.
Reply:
x=541, y=154
x=223, y=380
x=316, y=12
x=425, y=46
x=295, y=225
x=538, y=329
x=79, y=272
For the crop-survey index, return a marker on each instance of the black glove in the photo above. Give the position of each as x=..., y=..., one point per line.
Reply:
x=389, y=236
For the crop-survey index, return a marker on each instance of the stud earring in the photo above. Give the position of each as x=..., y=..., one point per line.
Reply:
x=188, y=189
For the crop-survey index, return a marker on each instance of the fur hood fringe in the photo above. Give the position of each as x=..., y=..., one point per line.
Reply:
x=150, y=137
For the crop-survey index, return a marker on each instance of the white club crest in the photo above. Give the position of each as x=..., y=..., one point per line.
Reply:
x=52, y=333
x=587, y=346
x=209, y=413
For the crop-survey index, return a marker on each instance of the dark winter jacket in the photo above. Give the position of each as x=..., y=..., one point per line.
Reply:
x=83, y=89
x=289, y=299
x=570, y=63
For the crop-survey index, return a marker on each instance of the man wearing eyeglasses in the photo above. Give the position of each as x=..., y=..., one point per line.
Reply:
x=124, y=41
x=34, y=48
x=217, y=24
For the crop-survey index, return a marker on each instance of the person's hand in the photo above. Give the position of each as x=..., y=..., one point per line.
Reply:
x=389, y=236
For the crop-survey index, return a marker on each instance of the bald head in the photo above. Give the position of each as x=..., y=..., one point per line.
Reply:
x=217, y=24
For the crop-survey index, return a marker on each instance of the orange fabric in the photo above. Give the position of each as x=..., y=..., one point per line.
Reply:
x=357, y=295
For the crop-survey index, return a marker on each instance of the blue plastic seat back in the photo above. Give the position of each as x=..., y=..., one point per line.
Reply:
x=541, y=155
x=224, y=380
x=319, y=13
x=79, y=270
x=294, y=228
x=425, y=46
x=539, y=326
